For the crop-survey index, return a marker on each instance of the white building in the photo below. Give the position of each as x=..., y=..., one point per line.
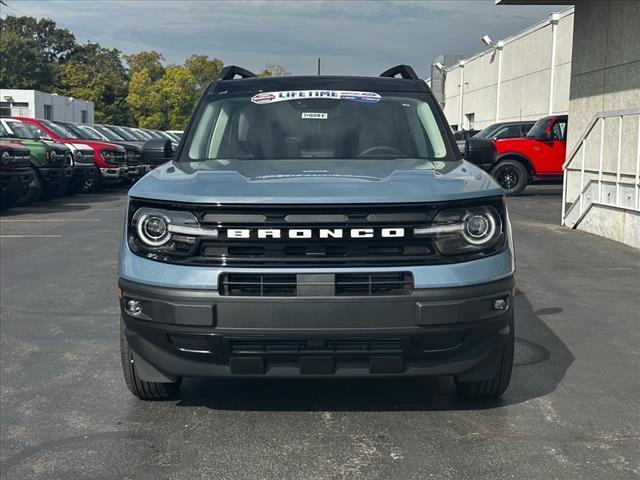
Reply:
x=601, y=193
x=51, y=106
x=523, y=77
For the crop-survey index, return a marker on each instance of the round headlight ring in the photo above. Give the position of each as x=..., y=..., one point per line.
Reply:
x=479, y=228
x=153, y=229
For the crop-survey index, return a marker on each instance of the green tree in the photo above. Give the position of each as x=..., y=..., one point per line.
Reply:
x=173, y=98
x=151, y=61
x=55, y=43
x=204, y=70
x=23, y=64
x=95, y=73
x=140, y=90
x=273, y=70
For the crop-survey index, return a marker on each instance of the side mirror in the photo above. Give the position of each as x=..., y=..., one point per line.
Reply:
x=156, y=152
x=480, y=151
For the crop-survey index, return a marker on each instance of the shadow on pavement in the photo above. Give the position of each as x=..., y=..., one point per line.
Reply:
x=68, y=203
x=541, y=362
x=544, y=190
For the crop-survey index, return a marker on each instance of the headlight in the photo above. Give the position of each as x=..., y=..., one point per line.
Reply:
x=109, y=156
x=166, y=231
x=463, y=230
x=5, y=158
x=131, y=156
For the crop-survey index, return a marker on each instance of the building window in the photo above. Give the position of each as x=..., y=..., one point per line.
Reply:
x=5, y=109
x=470, y=120
x=83, y=116
x=47, y=112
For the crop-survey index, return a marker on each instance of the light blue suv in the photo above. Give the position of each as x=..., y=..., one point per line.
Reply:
x=316, y=227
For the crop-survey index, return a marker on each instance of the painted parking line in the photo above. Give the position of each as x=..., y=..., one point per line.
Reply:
x=50, y=220
x=30, y=236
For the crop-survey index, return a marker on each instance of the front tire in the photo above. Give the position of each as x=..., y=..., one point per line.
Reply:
x=53, y=191
x=496, y=386
x=511, y=175
x=33, y=191
x=141, y=389
x=92, y=184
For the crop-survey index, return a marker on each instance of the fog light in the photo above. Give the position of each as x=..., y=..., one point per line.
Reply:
x=500, y=304
x=133, y=307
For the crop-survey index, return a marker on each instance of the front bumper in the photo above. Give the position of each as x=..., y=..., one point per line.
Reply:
x=53, y=175
x=439, y=331
x=13, y=181
x=114, y=173
x=84, y=170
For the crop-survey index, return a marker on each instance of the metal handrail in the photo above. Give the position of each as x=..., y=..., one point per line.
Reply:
x=581, y=146
x=612, y=113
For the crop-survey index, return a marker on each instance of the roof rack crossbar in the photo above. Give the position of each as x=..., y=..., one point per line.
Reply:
x=405, y=72
x=230, y=72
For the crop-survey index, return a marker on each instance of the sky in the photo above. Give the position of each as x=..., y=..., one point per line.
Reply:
x=351, y=37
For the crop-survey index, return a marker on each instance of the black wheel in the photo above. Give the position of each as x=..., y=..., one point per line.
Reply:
x=8, y=199
x=511, y=175
x=92, y=183
x=74, y=187
x=33, y=191
x=496, y=386
x=53, y=191
x=141, y=389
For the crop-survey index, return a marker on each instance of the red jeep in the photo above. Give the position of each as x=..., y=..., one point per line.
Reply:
x=516, y=162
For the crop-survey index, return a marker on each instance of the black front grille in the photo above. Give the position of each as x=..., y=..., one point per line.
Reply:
x=298, y=345
x=332, y=243
x=316, y=251
x=258, y=285
x=191, y=343
x=373, y=284
x=16, y=159
x=291, y=285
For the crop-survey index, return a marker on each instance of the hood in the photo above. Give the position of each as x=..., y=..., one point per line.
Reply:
x=504, y=144
x=129, y=144
x=55, y=146
x=96, y=145
x=315, y=181
x=12, y=146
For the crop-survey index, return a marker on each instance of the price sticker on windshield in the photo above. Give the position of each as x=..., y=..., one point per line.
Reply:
x=315, y=115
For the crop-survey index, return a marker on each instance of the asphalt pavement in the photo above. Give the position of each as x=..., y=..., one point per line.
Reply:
x=572, y=410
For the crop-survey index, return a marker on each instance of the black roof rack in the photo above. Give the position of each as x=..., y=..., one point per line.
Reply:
x=230, y=72
x=405, y=71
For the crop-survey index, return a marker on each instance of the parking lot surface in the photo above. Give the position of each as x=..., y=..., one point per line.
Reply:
x=572, y=410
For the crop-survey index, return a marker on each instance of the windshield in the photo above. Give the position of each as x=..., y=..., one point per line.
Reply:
x=81, y=132
x=89, y=133
x=124, y=133
x=136, y=134
x=154, y=134
x=22, y=130
x=109, y=134
x=141, y=134
x=60, y=130
x=485, y=132
x=347, y=125
x=538, y=128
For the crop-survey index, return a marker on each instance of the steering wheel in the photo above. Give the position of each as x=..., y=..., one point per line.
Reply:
x=382, y=149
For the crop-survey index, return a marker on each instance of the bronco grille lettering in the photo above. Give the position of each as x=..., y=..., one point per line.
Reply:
x=306, y=233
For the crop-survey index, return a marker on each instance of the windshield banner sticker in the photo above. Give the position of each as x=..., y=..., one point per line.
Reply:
x=274, y=97
x=315, y=115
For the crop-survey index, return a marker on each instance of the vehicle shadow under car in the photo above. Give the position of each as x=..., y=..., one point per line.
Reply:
x=541, y=361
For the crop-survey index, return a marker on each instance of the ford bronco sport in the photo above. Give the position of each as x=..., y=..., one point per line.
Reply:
x=319, y=227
